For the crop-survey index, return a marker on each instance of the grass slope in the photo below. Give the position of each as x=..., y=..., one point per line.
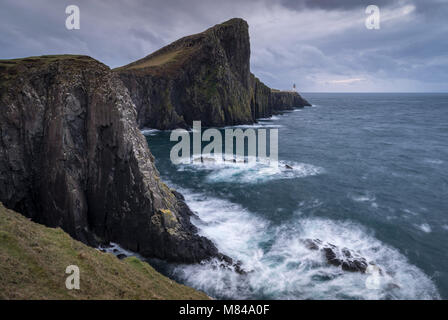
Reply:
x=33, y=259
x=166, y=61
x=157, y=60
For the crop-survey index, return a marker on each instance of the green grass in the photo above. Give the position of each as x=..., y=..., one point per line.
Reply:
x=165, y=61
x=158, y=60
x=43, y=59
x=10, y=68
x=33, y=259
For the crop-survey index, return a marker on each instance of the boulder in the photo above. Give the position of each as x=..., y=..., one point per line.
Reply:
x=348, y=260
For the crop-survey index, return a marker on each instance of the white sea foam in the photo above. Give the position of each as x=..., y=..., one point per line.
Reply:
x=149, y=131
x=280, y=266
x=364, y=197
x=116, y=249
x=245, y=171
x=424, y=227
x=236, y=229
x=433, y=161
x=410, y=212
x=269, y=119
x=259, y=125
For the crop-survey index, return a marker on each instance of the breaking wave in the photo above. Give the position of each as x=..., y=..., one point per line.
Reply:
x=149, y=132
x=280, y=266
x=245, y=171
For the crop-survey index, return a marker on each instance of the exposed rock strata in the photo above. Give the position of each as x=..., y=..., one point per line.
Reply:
x=71, y=155
x=203, y=77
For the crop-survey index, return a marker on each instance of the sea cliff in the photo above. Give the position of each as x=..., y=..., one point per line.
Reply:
x=72, y=156
x=203, y=77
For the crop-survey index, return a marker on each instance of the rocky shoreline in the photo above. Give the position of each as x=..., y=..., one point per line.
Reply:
x=72, y=154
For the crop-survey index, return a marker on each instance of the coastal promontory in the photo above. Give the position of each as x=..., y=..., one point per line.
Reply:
x=203, y=77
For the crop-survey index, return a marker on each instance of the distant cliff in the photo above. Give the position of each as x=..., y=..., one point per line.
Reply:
x=266, y=101
x=72, y=156
x=204, y=77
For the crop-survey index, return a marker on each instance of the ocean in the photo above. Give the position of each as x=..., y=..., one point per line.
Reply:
x=369, y=173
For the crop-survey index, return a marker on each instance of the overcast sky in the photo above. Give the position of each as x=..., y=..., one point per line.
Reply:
x=321, y=45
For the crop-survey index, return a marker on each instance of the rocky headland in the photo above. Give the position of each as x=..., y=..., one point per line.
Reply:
x=203, y=77
x=72, y=154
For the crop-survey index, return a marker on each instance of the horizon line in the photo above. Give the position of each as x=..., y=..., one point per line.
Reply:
x=305, y=92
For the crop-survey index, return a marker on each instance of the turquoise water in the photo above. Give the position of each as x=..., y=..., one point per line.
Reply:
x=370, y=173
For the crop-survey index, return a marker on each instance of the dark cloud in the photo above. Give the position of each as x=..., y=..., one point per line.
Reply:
x=320, y=45
x=334, y=4
x=429, y=8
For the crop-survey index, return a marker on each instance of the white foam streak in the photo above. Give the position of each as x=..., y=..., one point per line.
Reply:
x=149, y=131
x=254, y=171
x=281, y=267
x=424, y=227
x=365, y=197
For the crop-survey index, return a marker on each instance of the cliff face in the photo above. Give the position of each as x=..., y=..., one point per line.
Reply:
x=202, y=77
x=71, y=156
x=266, y=101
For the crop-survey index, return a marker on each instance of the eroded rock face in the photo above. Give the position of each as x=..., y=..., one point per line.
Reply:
x=203, y=77
x=345, y=258
x=286, y=100
x=72, y=156
x=266, y=101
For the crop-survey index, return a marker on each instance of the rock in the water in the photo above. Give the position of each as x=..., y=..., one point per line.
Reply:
x=288, y=167
x=121, y=256
x=345, y=258
x=312, y=244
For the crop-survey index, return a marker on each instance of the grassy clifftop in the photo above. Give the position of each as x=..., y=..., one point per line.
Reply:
x=206, y=77
x=170, y=59
x=10, y=69
x=33, y=259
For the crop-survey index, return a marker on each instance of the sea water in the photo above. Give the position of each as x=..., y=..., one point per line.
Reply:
x=369, y=173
